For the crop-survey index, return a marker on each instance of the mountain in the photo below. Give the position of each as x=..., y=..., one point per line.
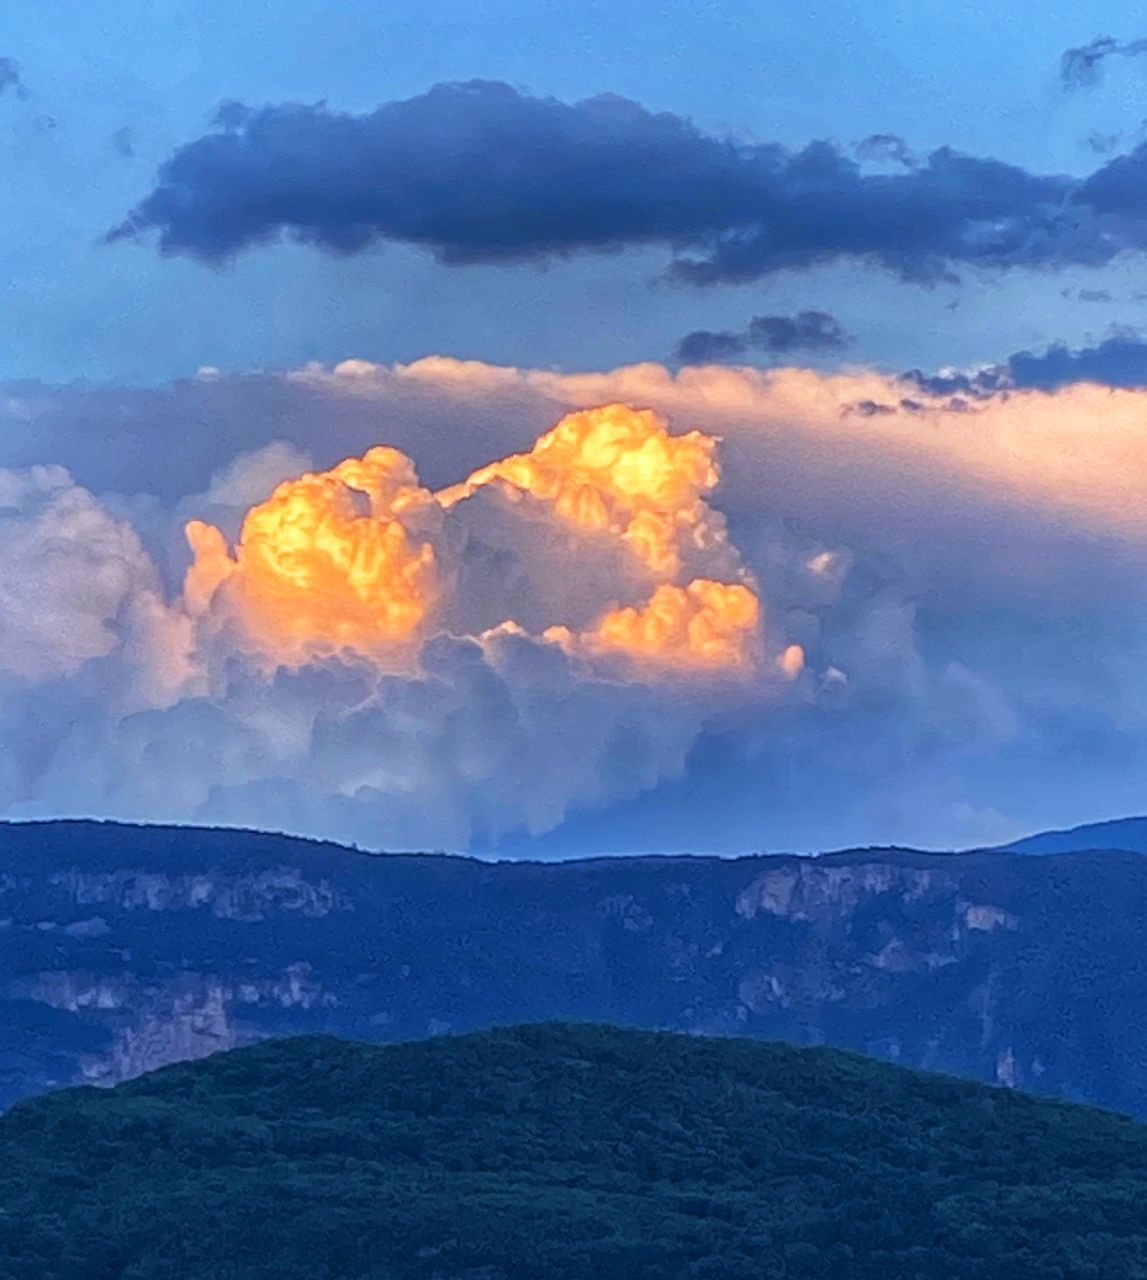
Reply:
x=123, y=948
x=562, y=1153
x=1121, y=833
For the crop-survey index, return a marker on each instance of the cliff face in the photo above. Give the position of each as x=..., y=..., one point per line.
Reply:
x=122, y=949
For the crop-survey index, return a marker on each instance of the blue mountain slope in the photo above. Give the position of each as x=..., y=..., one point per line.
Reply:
x=1129, y=834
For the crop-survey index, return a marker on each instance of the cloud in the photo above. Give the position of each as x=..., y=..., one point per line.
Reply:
x=887, y=147
x=1119, y=360
x=913, y=624
x=502, y=732
x=70, y=575
x=453, y=416
x=1082, y=67
x=123, y=140
x=344, y=661
x=806, y=331
x=707, y=346
x=1103, y=144
x=10, y=78
x=480, y=173
x=812, y=331
x=336, y=560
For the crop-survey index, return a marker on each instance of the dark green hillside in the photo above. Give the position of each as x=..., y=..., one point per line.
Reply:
x=559, y=1151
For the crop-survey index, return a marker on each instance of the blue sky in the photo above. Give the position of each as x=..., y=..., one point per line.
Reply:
x=979, y=78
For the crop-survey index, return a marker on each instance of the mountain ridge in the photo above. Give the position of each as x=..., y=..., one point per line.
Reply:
x=1130, y=836
x=125, y=947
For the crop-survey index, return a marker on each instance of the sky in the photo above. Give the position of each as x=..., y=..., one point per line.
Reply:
x=858, y=558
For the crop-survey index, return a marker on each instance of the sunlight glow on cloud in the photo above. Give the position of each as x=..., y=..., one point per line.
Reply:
x=713, y=624
x=353, y=559
x=329, y=561
x=618, y=470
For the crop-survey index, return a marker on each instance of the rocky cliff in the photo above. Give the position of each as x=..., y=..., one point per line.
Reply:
x=123, y=948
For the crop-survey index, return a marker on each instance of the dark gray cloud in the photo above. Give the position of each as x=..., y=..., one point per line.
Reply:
x=1103, y=144
x=887, y=147
x=807, y=331
x=1115, y=193
x=1082, y=67
x=1120, y=360
x=10, y=78
x=123, y=140
x=709, y=346
x=480, y=173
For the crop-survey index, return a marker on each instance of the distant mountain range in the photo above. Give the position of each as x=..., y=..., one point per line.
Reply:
x=1120, y=833
x=123, y=948
x=558, y=1153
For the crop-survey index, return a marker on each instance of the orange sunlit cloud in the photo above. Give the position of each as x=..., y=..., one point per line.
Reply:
x=708, y=624
x=617, y=470
x=330, y=561
x=350, y=558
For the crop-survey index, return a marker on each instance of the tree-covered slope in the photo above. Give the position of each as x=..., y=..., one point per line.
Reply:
x=564, y=1151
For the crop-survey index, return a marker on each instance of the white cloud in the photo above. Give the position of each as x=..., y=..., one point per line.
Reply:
x=69, y=574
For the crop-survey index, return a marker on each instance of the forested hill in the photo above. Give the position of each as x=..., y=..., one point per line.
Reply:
x=560, y=1151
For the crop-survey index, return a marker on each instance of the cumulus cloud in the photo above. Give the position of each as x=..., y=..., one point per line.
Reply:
x=833, y=625
x=481, y=173
x=487, y=735
x=70, y=574
x=812, y=331
x=350, y=661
